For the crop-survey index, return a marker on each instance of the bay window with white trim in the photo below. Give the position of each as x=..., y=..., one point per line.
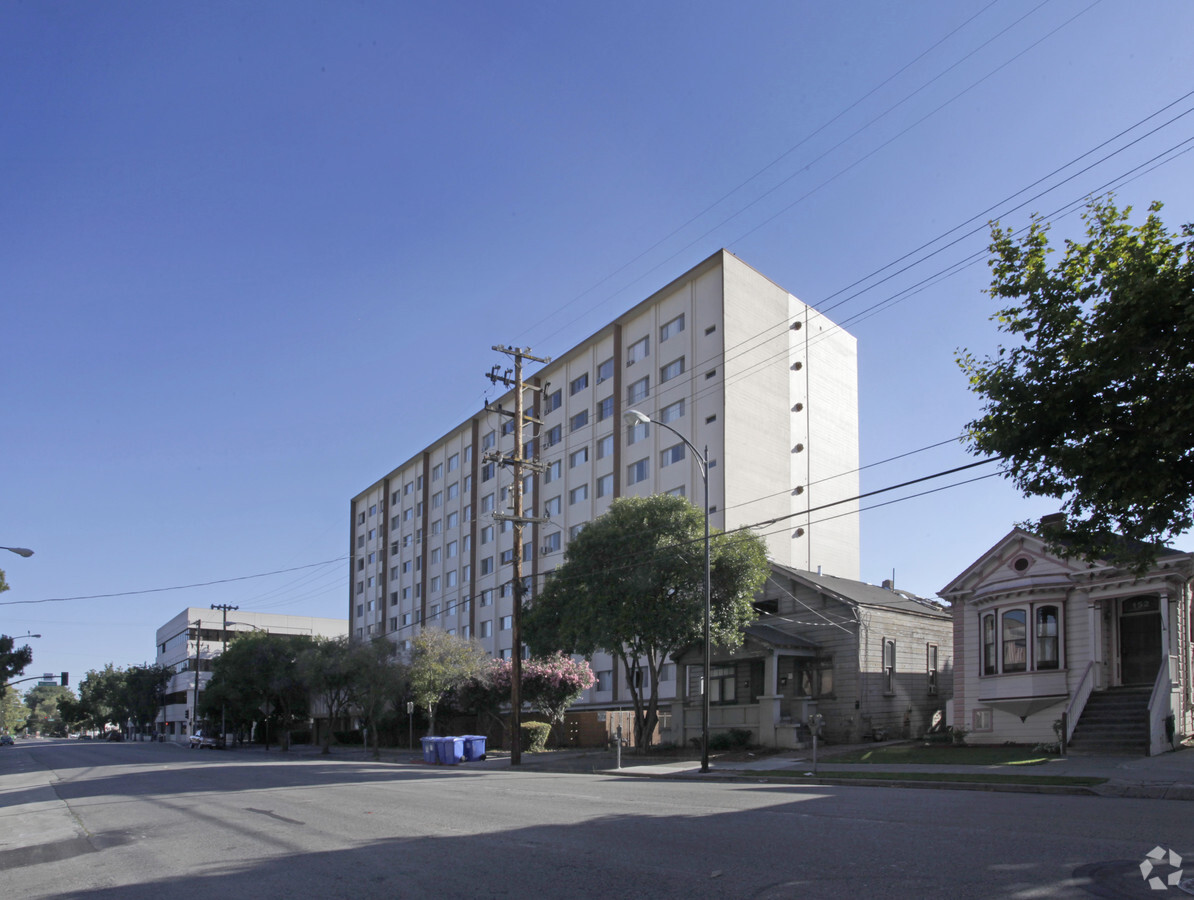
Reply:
x=1021, y=638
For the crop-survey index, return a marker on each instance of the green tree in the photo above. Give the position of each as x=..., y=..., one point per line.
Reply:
x=100, y=701
x=258, y=675
x=439, y=664
x=42, y=701
x=1094, y=402
x=12, y=660
x=140, y=696
x=486, y=693
x=633, y=585
x=327, y=668
x=378, y=681
x=13, y=713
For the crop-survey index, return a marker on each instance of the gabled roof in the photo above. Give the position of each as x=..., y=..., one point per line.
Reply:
x=863, y=594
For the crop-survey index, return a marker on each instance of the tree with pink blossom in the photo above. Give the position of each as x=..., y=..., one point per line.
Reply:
x=554, y=683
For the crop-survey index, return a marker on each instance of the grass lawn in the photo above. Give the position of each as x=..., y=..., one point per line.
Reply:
x=943, y=755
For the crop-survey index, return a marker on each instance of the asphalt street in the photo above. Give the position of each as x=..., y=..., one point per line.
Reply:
x=137, y=821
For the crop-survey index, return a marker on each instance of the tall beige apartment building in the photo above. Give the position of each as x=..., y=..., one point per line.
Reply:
x=723, y=355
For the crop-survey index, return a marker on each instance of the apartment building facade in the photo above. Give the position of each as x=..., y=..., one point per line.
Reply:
x=723, y=355
x=192, y=639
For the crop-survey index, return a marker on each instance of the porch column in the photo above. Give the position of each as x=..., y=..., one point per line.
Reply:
x=770, y=703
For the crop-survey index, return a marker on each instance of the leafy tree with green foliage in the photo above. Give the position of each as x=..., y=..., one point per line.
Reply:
x=439, y=664
x=633, y=584
x=140, y=696
x=259, y=676
x=378, y=682
x=327, y=668
x=13, y=713
x=1094, y=403
x=12, y=660
x=43, y=700
x=486, y=693
x=100, y=701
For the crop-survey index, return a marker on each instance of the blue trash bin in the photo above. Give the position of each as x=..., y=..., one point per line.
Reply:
x=474, y=747
x=451, y=750
x=429, y=750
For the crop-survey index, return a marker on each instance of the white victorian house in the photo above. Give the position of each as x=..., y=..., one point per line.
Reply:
x=1040, y=639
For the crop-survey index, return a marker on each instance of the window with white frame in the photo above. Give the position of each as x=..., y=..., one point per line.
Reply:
x=672, y=411
x=672, y=328
x=672, y=454
x=437, y=471
x=638, y=471
x=889, y=664
x=578, y=384
x=674, y=369
x=605, y=370
x=605, y=485
x=638, y=391
x=507, y=622
x=1021, y=639
x=453, y=462
x=640, y=349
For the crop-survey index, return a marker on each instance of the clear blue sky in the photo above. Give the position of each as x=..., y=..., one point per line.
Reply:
x=254, y=255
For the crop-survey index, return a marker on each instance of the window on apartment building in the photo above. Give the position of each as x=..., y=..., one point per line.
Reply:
x=605, y=370
x=672, y=328
x=640, y=349
x=575, y=530
x=637, y=432
x=419, y=482
x=674, y=369
x=672, y=454
x=577, y=457
x=394, y=574
x=466, y=572
x=360, y=587
x=507, y=427
x=466, y=632
x=678, y=492
x=711, y=374
x=393, y=623
x=437, y=471
x=372, y=581
x=453, y=520
x=451, y=549
x=605, y=680
x=638, y=471
x=394, y=547
x=552, y=507
x=360, y=540
x=578, y=384
x=451, y=578
x=507, y=557
x=487, y=565
x=453, y=490
x=931, y=667
x=486, y=534
x=407, y=514
x=528, y=551
x=361, y=518
x=488, y=440
x=408, y=487
x=553, y=435
x=437, y=499
x=487, y=471
x=889, y=665
x=605, y=485
x=360, y=564
x=468, y=454
x=605, y=409
x=605, y=446
x=486, y=597
x=487, y=503
x=553, y=401
x=406, y=565
x=552, y=542
x=672, y=411
x=578, y=494
x=435, y=582
x=487, y=628
x=578, y=421
x=453, y=462
x=360, y=612
x=638, y=391
x=552, y=472
x=372, y=533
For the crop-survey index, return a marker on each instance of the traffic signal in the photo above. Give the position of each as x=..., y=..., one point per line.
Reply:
x=65, y=678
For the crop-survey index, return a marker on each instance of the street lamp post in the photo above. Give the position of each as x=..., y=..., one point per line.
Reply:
x=19, y=551
x=637, y=417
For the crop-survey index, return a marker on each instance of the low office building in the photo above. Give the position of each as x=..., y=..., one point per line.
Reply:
x=735, y=363
x=189, y=642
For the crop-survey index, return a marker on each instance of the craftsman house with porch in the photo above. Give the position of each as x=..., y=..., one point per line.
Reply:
x=868, y=661
x=1041, y=640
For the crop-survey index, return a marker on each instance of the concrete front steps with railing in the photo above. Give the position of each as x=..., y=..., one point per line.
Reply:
x=1114, y=723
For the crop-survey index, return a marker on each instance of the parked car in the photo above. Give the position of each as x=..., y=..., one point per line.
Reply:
x=6, y=740
x=203, y=739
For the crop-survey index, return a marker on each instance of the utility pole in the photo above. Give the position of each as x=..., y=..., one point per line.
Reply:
x=516, y=462
x=224, y=634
